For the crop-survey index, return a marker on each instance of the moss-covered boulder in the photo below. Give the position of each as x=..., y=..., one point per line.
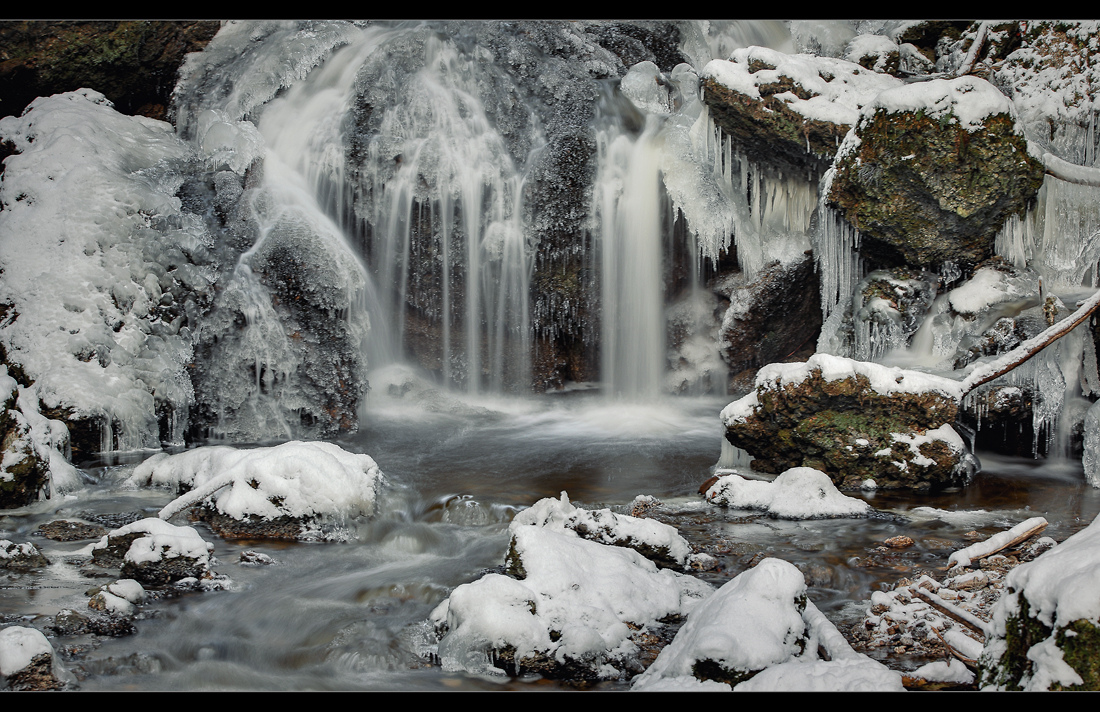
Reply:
x=1046, y=628
x=932, y=171
x=134, y=63
x=853, y=420
x=789, y=112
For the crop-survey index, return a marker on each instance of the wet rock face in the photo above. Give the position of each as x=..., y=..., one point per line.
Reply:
x=134, y=63
x=249, y=527
x=773, y=317
x=852, y=433
x=924, y=190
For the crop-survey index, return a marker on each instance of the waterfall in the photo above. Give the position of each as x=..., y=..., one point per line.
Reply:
x=627, y=197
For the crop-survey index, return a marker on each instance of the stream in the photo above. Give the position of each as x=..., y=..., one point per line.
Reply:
x=352, y=615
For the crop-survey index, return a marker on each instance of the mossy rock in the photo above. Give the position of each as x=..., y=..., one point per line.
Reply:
x=849, y=431
x=923, y=190
x=1079, y=643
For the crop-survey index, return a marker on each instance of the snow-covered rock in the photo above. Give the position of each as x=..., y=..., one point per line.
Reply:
x=152, y=551
x=853, y=420
x=1046, y=627
x=932, y=171
x=100, y=261
x=650, y=538
x=580, y=610
x=760, y=632
x=273, y=492
x=28, y=662
x=20, y=556
x=798, y=493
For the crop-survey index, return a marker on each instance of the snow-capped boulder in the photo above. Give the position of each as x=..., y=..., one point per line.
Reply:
x=761, y=632
x=278, y=492
x=28, y=661
x=581, y=610
x=1046, y=627
x=932, y=171
x=788, y=111
x=154, y=552
x=854, y=421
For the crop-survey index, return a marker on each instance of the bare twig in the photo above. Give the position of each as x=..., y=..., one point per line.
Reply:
x=1024, y=352
x=970, y=663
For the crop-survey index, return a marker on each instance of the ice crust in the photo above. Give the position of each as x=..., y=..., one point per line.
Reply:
x=307, y=479
x=91, y=224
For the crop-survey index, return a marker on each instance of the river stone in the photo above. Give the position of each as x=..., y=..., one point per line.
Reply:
x=848, y=429
x=21, y=556
x=930, y=183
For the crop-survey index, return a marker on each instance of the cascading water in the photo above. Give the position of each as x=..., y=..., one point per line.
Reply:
x=627, y=198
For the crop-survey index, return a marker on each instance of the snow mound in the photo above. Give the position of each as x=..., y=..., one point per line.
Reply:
x=18, y=646
x=837, y=89
x=296, y=479
x=798, y=493
x=762, y=624
x=648, y=537
x=577, y=606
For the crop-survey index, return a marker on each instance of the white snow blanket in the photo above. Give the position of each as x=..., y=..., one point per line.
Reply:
x=297, y=479
x=583, y=592
x=753, y=625
x=798, y=493
x=604, y=527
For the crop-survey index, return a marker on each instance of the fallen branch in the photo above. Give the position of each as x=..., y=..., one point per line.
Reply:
x=998, y=542
x=1022, y=353
x=966, y=618
x=970, y=663
x=1071, y=172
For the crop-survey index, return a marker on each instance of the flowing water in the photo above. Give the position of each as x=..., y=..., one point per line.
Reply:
x=450, y=154
x=352, y=615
